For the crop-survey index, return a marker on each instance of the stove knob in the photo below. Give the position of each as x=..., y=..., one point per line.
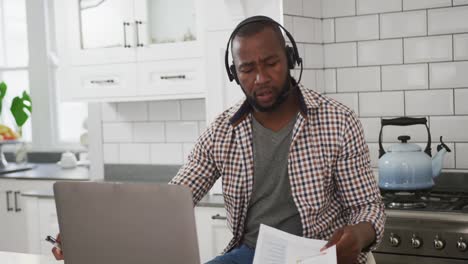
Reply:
x=461, y=244
x=438, y=243
x=394, y=240
x=416, y=242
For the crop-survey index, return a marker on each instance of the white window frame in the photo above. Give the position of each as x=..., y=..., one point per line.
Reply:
x=43, y=86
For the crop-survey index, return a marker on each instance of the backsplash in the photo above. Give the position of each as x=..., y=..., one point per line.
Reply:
x=390, y=58
x=154, y=132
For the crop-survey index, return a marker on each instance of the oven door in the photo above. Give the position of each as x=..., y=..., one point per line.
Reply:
x=382, y=258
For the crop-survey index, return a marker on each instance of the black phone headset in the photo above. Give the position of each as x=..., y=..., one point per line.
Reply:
x=292, y=54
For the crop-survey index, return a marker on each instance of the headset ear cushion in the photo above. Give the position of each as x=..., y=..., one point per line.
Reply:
x=233, y=71
x=290, y=57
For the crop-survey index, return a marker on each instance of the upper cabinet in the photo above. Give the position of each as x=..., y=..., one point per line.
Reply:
x=118, y=50
x=122, y=31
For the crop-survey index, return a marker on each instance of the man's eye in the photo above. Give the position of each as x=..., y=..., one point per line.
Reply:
x=272, y=63
x=246, y=70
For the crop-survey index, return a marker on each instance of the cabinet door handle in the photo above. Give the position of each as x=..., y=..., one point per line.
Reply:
x=8, y=201
x=168, y=77
x=102, y=81
x=125, y=24
x=137, y=23
x=17, y=209
x=218, y=217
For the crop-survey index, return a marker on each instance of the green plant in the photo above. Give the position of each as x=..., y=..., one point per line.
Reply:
x=21, y=107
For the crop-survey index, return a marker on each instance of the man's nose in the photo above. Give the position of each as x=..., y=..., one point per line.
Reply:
x=262, y=76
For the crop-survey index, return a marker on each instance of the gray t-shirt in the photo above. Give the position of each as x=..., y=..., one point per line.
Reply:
x=271, y=202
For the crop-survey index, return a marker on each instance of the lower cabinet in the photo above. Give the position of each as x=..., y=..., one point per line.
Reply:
x=42, y=221
x=13, y=213
x=213, y=232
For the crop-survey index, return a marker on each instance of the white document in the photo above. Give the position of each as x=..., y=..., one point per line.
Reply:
x=277, y=247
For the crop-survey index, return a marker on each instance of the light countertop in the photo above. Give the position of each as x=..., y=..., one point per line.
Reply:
x=49, y=171
x=20, y=258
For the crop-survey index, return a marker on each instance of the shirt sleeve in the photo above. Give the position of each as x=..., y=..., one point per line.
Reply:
x=199, y=172
x=356, y=184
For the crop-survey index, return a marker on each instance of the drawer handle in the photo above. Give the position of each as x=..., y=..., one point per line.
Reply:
x=8, y=201
x=168, y=77
x=218, y=217
x=17, y=209
x=102, y=81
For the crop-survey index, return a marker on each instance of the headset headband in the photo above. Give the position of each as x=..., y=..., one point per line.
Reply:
x=253, y=19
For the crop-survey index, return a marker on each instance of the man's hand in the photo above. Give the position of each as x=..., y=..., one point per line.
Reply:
x=58, y=254
x=350, y=241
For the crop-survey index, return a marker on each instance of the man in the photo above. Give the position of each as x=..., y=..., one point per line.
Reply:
x=288, y=157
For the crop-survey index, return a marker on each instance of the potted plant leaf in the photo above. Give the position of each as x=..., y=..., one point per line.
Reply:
x=21, y=109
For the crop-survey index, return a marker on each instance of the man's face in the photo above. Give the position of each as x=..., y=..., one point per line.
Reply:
x=262, y=69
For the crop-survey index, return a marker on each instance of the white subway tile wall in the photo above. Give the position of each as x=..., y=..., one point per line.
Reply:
x=381, y=104
x=411, y=61
x=170, y=129
x=357, y=28
x=337, y=8
x=307, y=29
x=460, y=46
x=294, y=7
x=328, y=30
x=380, y=52
x=330, y=80
x=132, y=111
x=405, y=77
x=460, y=2
x=311, y=8
x=424, y=103
x=131, y=153
x=340, y=55
x=358, y=79
x=448, y=75
x=421, y=4
x=461, y=101
x=461, y=151
x=452, y=128
x=377, y=6
x=403, y=24
x=428, y=49
x=313, y=56
x=448, y=20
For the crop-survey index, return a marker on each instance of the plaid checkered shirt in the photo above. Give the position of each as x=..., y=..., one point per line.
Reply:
x=328, y=167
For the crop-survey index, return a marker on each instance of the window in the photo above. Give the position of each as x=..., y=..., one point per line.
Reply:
x=25, y=64
x=14, y=58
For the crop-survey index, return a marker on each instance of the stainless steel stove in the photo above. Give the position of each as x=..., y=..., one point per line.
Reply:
x=429, y=226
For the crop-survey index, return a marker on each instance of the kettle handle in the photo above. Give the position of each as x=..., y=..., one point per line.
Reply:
x=405, y=121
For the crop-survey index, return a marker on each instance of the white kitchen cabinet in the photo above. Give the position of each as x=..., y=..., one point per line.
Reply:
x=128, y=50
x=120, y=31
x=13, y=227
x=42, y=221
x=213, y=231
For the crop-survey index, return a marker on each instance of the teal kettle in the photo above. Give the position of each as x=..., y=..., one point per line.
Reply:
x=405, y=166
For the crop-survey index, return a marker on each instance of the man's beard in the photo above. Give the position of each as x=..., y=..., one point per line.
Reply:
x=280, y=99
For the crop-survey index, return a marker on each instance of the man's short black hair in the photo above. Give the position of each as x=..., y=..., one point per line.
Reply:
x=253, y=28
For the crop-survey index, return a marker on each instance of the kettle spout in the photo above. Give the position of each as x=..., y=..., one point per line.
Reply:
x=438, y=160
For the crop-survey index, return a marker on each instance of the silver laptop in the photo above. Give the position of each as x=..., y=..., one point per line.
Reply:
x=113, y=223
